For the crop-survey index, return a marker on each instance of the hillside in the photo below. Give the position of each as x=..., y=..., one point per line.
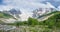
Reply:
x=55, y=17
x=52, y=24
x=4, y=15
x=53, y=21
x=46, y=16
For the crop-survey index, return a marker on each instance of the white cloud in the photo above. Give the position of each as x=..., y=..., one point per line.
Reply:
x=58, y=8
x=2, y=7
x=25, y=4
x=49, y=5
x=22, y=3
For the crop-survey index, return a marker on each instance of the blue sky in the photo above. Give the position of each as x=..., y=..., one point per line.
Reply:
x=55, y=3
x=1, y=1
x=27, y=5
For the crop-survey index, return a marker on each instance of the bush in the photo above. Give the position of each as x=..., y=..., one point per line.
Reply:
x=32, y=21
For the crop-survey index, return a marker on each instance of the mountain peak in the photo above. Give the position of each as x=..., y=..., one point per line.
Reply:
x=15, y=11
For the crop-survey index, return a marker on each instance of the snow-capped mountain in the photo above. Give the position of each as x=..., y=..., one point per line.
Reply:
x=13, y=12
x=42, y=11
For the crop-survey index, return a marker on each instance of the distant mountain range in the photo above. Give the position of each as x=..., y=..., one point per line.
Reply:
x=12, y=15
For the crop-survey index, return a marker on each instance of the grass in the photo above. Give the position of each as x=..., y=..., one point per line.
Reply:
x=4, y=15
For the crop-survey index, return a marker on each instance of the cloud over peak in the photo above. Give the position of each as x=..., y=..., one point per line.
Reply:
x=26, y=4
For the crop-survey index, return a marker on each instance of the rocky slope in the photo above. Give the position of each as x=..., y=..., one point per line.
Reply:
x=6, y=18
